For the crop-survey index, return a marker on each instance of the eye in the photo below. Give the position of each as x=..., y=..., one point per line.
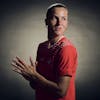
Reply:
x=64, y=18
x=53, y=18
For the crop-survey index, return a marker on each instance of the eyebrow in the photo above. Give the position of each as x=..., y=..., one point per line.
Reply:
x=57, y=16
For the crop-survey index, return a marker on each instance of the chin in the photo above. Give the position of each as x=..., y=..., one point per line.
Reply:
x=58, y=33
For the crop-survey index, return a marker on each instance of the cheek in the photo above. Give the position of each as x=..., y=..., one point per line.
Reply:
x=65, y=25
x=53, y=23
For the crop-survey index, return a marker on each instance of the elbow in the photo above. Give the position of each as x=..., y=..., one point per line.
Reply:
x=61, y=93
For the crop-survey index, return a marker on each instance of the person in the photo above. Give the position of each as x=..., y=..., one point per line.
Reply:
x=53, y=74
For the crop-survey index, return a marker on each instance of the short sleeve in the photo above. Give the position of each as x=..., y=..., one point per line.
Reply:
x=66, y=61
x=37, y=56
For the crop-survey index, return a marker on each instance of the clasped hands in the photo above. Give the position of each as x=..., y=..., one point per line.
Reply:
x=27, y=71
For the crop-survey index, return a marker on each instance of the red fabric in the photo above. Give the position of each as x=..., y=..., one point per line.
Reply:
x=59, y=60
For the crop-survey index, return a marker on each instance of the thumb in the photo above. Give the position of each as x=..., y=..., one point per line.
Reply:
x=36, y=63
x=31, y=61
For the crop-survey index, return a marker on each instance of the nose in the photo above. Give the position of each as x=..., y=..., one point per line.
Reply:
x=58, y=21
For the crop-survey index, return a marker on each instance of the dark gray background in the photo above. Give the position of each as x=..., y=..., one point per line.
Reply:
x=22, y=28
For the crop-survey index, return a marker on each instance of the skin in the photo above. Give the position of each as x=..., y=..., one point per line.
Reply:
x=57, y=24
x=56, y=28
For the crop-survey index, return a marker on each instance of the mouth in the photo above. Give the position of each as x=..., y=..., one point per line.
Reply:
x=58, y=28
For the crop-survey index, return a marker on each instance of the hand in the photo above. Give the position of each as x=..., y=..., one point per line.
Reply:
x=27, y=71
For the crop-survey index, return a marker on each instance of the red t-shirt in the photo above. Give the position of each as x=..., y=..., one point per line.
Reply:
x=59, y=60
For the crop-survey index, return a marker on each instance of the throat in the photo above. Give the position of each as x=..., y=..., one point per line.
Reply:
x=53, y=41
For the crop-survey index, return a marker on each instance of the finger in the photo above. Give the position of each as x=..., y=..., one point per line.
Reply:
x=19, y=68
x=17, y=63
x=17, y=71
x=36, y=63
x=23, y=74
x=21, y=61
x=24, y=65
x=31, y=61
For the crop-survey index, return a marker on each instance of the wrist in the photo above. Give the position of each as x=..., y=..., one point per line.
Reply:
x=34, y=75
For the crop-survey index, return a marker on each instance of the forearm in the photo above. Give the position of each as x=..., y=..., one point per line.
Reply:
x=50, y=86
x=29, y=72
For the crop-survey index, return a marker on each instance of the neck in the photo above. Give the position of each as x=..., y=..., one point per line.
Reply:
x=55, y=39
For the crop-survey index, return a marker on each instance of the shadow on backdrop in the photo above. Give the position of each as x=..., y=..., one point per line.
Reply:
x=22, y=28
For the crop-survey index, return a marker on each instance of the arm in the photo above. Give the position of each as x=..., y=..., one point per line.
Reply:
x=58, y=88
x=65, y=63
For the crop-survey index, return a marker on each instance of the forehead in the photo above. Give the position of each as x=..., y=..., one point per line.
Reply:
x=57, y=10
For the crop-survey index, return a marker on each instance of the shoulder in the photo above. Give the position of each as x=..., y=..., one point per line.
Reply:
x=66, y=42
x=43, y=44
x=67, y=47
